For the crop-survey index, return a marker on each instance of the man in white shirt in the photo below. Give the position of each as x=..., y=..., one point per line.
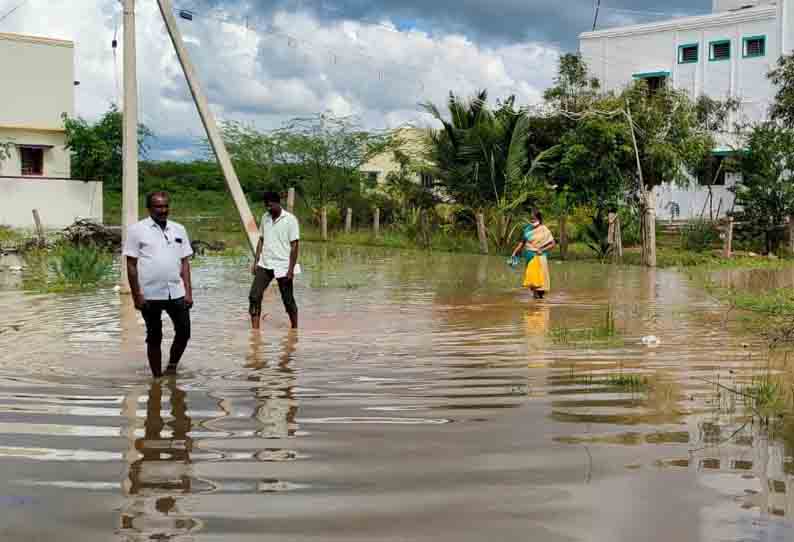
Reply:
x=158, y=265
x=276, y=258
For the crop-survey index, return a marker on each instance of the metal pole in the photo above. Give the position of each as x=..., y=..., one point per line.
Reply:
x=129, y=183
x=208, y=119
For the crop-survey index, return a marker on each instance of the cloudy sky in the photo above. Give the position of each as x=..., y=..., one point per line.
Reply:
x=264, y=61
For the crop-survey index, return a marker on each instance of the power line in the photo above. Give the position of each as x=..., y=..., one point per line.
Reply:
x=13, y=10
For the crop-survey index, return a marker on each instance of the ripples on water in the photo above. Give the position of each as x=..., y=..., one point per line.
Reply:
x=424, y=398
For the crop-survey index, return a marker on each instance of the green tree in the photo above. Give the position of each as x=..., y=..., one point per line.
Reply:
x=481, y=159
x=328, y=151
x=766, y=192
x=782, y=77
x=97, y=147
x=574, y=88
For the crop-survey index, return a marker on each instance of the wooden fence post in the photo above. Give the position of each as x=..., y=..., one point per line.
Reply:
x=291, y=200
x=376, y=222
x=791, y=234
x=650, y=228
x=481, y=233
x=615, y=237
x=349, y=220
x=727, y=247
x=39, y=228
x=563, y=222
x=324, y=222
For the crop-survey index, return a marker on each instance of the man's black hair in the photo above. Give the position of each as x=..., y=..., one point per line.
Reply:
x=151, y=195
x=272, y=197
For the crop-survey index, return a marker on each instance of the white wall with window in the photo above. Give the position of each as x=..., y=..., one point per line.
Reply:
x=36, y=91
x=727, y=53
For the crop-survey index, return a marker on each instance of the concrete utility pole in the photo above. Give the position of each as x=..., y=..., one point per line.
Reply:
x=129, y=213
x=208, y=119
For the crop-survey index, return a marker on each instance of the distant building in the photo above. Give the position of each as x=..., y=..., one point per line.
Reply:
x=37, y=89
x=413, y=143
x=727, y=53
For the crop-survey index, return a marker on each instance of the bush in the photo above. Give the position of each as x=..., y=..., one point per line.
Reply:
x=79, y=267
x=699, y=235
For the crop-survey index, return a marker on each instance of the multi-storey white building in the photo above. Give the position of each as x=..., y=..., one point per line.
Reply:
x=727, y=53
x=37, y=90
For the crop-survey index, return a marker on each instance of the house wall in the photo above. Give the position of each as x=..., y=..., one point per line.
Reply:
x=38, y=81
x=617, y=56
x=60, y=202
x=412, y=143
x=37, y=89
x=56, y=160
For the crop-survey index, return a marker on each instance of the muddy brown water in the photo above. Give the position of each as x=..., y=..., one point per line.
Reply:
x=425, y=398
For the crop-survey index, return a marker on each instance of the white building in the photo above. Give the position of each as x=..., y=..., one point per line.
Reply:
x=727, y=53
x=36, y=90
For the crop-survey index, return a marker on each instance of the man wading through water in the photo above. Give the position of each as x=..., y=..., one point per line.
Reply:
x=158, y=265
x=276, y=258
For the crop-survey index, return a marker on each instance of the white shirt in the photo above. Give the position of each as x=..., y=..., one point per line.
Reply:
x=277, y=239
x=160, y=253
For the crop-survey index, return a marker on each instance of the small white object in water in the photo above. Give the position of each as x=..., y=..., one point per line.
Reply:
x=117, y=288
x=15, y=268
x=651, y=341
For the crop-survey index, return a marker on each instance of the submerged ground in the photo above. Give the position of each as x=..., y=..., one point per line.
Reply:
x=425, y=398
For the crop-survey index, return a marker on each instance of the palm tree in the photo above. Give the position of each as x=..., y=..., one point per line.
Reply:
x=481, y=159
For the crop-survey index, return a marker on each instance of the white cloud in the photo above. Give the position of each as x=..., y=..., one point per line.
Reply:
x=302, y=65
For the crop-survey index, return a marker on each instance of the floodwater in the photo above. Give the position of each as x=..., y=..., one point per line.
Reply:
x=425, y=398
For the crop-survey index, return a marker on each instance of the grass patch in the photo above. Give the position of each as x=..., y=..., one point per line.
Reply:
x=604, y=334
x=67, y=268
x=631, y=383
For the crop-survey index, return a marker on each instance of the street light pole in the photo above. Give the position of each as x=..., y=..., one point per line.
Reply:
x=129, y=214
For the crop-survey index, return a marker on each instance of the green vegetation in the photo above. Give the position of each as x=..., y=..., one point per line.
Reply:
x=605, y=334
x=9, y=235
x=628, y=382
x=67, y=268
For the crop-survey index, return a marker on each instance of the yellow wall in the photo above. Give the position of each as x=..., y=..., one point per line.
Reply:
x=412, y=144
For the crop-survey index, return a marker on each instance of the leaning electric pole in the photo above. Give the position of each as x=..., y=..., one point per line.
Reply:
x=129, y=183
x=208, y=119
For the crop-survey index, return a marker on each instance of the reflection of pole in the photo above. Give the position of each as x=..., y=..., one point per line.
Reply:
x=208, y=119
x=129, y=183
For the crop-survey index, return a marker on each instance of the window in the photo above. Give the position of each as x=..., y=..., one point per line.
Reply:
x=714, y=172
x=427, y=180
x=754, y=46
x=654, y=80
x=372, y=177
x=720, y=50
x=688, y=54
x=32, y=160
x=656, y=83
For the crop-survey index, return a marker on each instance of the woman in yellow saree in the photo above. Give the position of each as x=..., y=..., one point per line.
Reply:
x=537, y=241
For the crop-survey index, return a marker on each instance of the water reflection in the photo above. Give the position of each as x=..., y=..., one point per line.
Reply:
x=423, y=382
x=276, y=405
x=159, y=472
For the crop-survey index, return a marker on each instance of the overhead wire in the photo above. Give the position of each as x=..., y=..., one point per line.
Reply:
x=13, y=10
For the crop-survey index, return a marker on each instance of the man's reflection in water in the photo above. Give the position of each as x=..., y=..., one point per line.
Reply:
x=276, y=406
x=160, y=471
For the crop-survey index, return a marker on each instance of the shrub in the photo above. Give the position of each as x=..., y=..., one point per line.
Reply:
x=79, y=267
x=699, y=235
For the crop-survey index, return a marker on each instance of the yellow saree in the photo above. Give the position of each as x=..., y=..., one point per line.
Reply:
x=537, y=275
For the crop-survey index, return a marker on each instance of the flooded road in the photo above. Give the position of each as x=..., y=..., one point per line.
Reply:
x=425, y=398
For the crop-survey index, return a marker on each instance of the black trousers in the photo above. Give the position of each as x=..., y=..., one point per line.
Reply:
x=262, y=280
x=179, y=313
